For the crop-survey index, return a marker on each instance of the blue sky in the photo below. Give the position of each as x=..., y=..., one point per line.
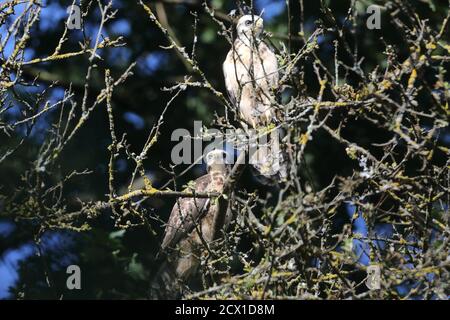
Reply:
x=9, y=264
x=272, y=9
x=10, y=260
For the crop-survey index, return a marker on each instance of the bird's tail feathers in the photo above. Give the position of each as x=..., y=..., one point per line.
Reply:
x=269, y=161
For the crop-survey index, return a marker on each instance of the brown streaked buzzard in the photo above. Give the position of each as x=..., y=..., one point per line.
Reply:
x=191, y=226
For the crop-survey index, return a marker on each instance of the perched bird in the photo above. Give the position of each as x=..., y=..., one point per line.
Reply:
x=191, y=225
x=251, y=74
x=251, y=71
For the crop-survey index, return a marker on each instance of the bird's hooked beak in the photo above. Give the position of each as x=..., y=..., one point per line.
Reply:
x=258, y=27
x=259, y=23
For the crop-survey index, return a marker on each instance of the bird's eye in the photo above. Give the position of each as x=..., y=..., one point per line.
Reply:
x=248, y=22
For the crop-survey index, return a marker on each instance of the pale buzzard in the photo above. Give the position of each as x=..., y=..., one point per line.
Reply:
x=251, y=75
x=251, y=72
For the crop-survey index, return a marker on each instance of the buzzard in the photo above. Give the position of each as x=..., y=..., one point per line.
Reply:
x=251, y=73
x=191, y=226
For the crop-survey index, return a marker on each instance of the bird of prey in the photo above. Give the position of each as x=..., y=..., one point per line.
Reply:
x=251, y=73
x=191, y=225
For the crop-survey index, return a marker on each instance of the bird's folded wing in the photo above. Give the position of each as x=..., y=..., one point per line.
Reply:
x=270, y=64
x=231, y=70
x=186, y=213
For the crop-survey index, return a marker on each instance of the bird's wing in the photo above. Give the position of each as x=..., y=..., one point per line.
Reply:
x=235, y=70
x=270, y=64
x=229, y=74
x=186, y=213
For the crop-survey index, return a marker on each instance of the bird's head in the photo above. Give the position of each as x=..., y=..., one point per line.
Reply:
x=216, y=160
x=250, y=26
